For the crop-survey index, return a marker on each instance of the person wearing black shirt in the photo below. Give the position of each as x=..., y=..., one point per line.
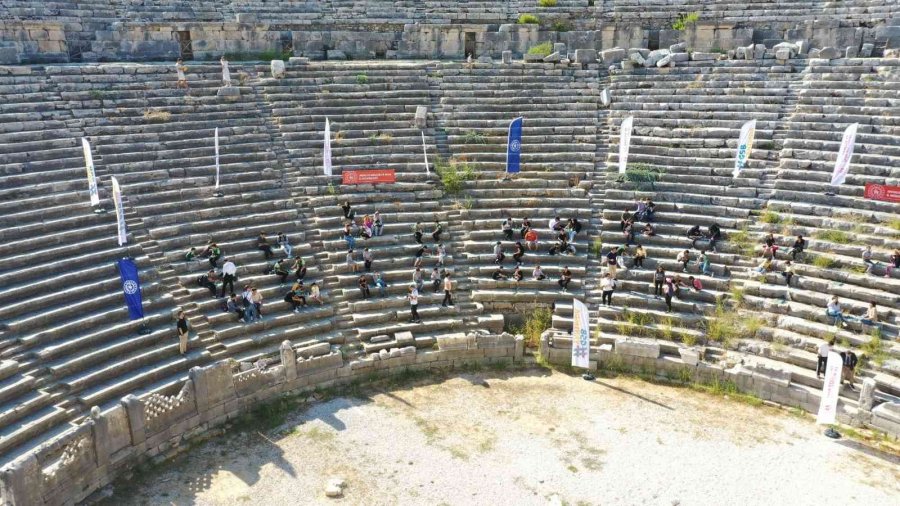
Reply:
x=263, y=245
x=799, y=246
x=183, y=330
x=348, y=211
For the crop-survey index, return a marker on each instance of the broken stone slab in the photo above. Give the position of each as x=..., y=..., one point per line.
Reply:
x=533, y=58
x=610, y=56
x=785, y=46
x=383, y=338
x=698, y=56
x=666, y=60
x=277, y=67
x=637, y=347
x=626, y=65
x=644, y=52
x=851, y=52
x=783, y=54
x=335, y=54
x=559, y=47
x=421, y=118
x=866, y=51
x=552, y=58
x=507, y=57
x=404, y=338
x=829, y=53
x=585, y=56
x=655, y=56
x=813, y=54
x=680, y=57
x=636, y=58
x=689, y=356
x=605, y=97
x=298, y=60
x=681, y=47
x=867, y=394
x=229, y=93
x=759, y=51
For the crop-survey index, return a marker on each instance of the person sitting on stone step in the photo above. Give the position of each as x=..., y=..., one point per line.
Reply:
x=299, y=268
x=538, y=274
x=417, y=232
x=435, y=280
x=871, y=317
x=380, y=283
x=694, y=233
x=234, y=306
x=704, y=261
x=369, y=224
x=507, y=228
x=520, y=252
x=420, y=252
x=296, y=300
x=347, y=235
x=368, y=258
x=526, y=226
x=316, y=294
x=262, y=244
x=498, y=274
x=437, y=231
x=363, y=284
x=867, y=259
x=574, y=229
x=695, y=283
x=713, y=233
x=648, y=230
x=517, y=274
x=765, y=265
x=628, y=233
x=626, y=218
x=190, y=255
x=556, y=225
x=441, y=254
x=280, y=269
x=531, y=239
x=893, y=264
x=347, y=210
x=639, y=256
x=499, y=255
x=833, y=310
x=285, y=244
x=683, y=258
x=788, y=274
x=798, y=247
x=565, y=277
x=379, y=224
x=214, y=253
x=208, y=281
x=769, y=239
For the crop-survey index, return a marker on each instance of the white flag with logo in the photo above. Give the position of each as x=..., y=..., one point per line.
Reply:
x=830, y=390
x=217, y=158
x=91, y=176
x=425, y=152
x=605, y=97
x=581, y=335
x=326, y=155
x=745, y=146
x=842, y=165
x=120, y=211
x=624, y=142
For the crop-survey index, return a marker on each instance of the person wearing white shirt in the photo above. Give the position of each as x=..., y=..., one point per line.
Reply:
x=448, y=289
x=607, y=286
x=824, y=349
x=413, y=298
x=229, y=273
x=538, y=274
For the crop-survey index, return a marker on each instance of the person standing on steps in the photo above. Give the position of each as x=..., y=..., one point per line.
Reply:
x=226, y=73
x=420, y=252
x=413, y=298
x=499, y=256
x=417, y=232
x=351, y=262
x=285, y=244
x=438, y=230
x=179, y=71
x=441, y=254
x=822, y=356
x=612, y=261
x=347, y=234
x=448, y=290
x=607, y=287
x=379, y=224
x=668, y=292
x=435, y=280
x=183, y=330
x=418, y=278
x=659, y=278
x=229, y=273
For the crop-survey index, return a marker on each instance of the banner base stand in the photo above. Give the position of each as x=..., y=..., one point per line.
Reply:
x=144, y=329
x=588, y=377
x=833, y=434
x=218, y=194
x=99, y=210
x=829, y=194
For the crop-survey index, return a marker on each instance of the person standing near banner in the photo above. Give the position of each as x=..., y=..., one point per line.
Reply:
x=822, y=356
x=183, y=330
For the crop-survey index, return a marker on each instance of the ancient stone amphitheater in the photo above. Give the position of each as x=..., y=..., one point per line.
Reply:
x=85, y=395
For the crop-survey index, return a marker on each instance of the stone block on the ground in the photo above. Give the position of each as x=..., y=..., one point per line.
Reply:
x=829, y=53
x=584, y=56
x=277, y=67
x=609, y=56
x=552, y=58
x=637, y=347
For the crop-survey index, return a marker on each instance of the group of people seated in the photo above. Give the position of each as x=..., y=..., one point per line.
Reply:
x=564, y=233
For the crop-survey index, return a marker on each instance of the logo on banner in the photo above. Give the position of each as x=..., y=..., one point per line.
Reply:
x=515, y=146
x=368, y=176
x=887, y=193
x=130, y=287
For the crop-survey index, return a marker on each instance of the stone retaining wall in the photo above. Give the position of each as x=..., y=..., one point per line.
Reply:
x=645, y=356
x=87, y=457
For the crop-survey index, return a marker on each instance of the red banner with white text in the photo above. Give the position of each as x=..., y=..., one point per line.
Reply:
x=884, y=192
x=369, y=176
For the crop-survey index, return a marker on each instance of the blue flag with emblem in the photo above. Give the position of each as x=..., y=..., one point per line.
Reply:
x=514, y=146
x=131, y=286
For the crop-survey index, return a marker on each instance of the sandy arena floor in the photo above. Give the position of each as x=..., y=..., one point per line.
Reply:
x=530, y=438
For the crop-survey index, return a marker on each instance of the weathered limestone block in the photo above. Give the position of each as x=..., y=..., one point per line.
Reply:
x=277, y=67
x=681, y=47
x=605, y=97
x=22, y=481
x=627, y=65
x=405, y=339
x=421, y=117
x=867, y=394
x=886, y=416
x=698, y=56
x=485, y=59
x=655, y=56
x=288, y=360
x=802, y=46
x=759, y=51
x=665, y=61
x=851, y=52
x=637, y=347
x=507, y=57
x=689, y=356
x=783, y=54
x=785, y=46
x=679, y=57
x=609, y=56
x=533, y=58
x=584, y=56
x=636, y=58
x=383, y=338
x=866, y=51
x=552, y=58
x=229, y=93
x=829, y=53
x=336, y=54
x=559, y=47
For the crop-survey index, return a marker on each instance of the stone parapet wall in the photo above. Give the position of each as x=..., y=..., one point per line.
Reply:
x=665, y=359
x=90, y=455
